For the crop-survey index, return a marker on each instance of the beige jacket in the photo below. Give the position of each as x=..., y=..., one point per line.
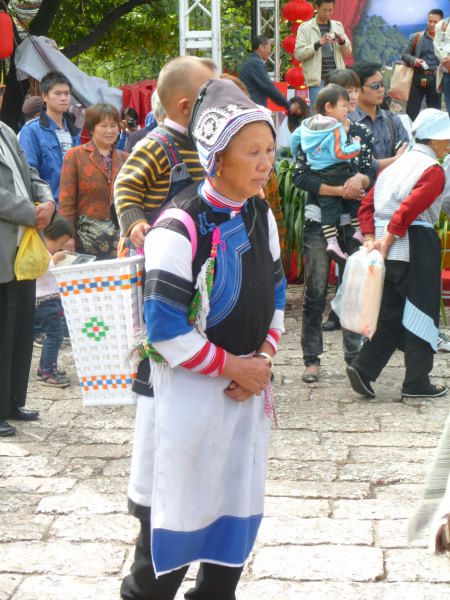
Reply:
x=308, y=34
x=441, y=48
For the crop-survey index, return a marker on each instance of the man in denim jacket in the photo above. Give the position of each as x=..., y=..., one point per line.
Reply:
x=47, y=138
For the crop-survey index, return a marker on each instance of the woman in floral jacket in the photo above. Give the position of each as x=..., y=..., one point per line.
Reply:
x=87, y=181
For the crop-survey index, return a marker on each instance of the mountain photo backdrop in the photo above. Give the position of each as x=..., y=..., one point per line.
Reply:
x=385, y=26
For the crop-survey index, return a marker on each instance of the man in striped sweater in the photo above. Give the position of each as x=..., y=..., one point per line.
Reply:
x=166, y=158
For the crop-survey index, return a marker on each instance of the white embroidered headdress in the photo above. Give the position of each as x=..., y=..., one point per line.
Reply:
x=221, y=110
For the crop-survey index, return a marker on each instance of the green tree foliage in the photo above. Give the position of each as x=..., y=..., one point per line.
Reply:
x=236, y=34
x=134, y=47
x=123, y=41
x=376, y=41
x=138, y=44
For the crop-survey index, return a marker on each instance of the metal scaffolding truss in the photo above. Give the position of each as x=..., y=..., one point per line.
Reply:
x=268, y=24
x=200, y=28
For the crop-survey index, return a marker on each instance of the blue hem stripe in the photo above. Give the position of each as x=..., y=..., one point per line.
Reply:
x=228, y=540
x=421, y=324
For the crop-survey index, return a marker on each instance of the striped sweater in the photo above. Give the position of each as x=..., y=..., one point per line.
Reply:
x=143, y=182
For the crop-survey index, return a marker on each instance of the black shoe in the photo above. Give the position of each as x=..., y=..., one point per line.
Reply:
x=23, y=414
x=360, y=384
x=433, y=391
x=331, y=325
x=6, y=429
x=311, y=374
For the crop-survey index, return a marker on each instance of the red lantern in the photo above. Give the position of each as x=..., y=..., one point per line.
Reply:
x=297, y=10
x=294, y=77
x=6, y=36
x=289, y=43
x=294, y=27
x=295, y=62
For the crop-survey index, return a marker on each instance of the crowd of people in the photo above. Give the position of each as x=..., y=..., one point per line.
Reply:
x=195, y=192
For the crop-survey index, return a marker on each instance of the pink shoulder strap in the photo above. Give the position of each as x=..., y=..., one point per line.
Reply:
x=186, y=219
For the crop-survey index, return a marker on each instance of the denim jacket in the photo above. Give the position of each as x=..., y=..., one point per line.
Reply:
x=42, y=148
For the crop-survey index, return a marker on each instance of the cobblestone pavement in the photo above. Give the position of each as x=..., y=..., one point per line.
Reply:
x=344, y=476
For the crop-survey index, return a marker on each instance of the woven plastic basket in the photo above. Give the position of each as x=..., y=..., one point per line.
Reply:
x=103, y=307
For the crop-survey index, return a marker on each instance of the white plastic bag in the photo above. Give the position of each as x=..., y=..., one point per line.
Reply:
x=358, y=300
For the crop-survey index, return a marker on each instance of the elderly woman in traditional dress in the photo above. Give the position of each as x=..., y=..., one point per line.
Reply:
x=214, y=300
x=400, y=213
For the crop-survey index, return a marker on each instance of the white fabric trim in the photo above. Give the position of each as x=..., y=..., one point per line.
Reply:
x=140, y=485
x=274, y=239
x=181, y=348
x=278, y=320
x=172, y=252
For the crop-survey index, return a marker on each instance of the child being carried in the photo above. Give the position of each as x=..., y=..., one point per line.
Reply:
x=329, y=153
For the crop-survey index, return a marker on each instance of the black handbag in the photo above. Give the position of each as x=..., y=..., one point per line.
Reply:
x=97, y=237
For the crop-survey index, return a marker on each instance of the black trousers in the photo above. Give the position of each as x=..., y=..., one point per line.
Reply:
x=332, y=207
x=214, y=582
x=17, y=299
x=418, y=93
x=317, y=266
x=391, y=335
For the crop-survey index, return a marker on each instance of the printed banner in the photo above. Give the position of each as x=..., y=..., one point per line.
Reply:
x=380, y=28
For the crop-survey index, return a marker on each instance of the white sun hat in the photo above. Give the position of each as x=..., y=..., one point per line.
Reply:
x=432, y=124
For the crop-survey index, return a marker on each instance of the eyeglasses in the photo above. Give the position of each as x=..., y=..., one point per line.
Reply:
x=375, y=86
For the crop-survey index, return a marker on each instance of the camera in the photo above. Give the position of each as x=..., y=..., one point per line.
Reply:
x=131, y=122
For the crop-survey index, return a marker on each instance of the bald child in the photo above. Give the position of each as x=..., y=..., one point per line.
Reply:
x=146, y=179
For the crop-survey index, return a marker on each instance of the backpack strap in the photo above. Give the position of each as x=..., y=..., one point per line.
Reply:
x=419, y=34
x=166, y=141
x=186, y=219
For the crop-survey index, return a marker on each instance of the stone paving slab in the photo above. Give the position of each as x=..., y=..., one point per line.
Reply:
x=320, y=563
x=66, y=588
x=61, y=558
x=344, y=476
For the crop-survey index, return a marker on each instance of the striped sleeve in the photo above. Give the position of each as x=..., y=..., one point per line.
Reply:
x=142, y=182
x=169, y=288
x=209, y=360
x=273, y=338
x=341, y=151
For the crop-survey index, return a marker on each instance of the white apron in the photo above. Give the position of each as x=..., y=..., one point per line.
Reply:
x=199, y=460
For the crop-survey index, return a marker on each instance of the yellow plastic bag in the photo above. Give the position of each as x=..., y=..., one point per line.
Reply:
x=32, y=258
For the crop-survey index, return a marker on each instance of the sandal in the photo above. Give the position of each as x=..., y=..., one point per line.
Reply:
x=55, y=380
x=360, y=384
x=311, y=374
x=433, y=391
x=41, y=376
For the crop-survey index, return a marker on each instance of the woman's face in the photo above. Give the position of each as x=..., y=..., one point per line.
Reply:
x=353, y=94
x=105, y=132
x=246, y=163
x=440, y=147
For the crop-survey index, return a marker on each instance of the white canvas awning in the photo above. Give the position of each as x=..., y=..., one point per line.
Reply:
x=36, y=56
